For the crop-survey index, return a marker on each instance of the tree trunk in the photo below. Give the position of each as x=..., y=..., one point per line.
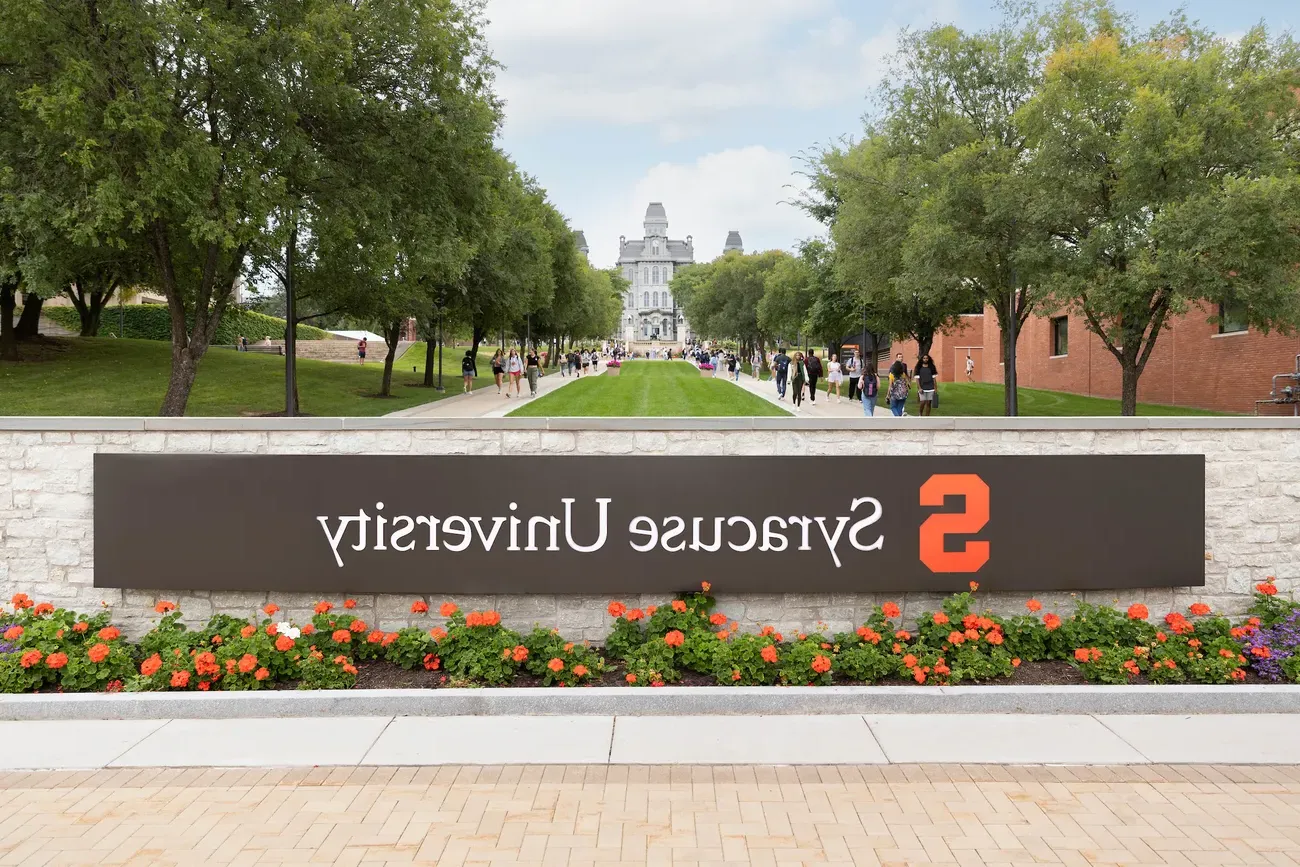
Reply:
x=1128, y=395
x=430, y=359
x=184, y=368
x=290, y=327
x=8, y=339
x=29, y=323
x=90, y=320
x=392, y=333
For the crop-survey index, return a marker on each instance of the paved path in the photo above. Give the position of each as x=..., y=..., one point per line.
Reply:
x=825, y=406
x=953, y=814
x=484, y=402
x=598, y=740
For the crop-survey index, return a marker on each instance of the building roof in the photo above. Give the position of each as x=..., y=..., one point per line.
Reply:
x=634, y=251
x=580, y=239
x=656, y=211
x=733, y=241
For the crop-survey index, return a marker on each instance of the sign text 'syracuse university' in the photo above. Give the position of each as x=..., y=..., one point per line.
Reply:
x=573, y=524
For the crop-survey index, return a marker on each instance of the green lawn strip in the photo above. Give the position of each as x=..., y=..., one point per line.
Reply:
x=106, y=376
x=651, y=389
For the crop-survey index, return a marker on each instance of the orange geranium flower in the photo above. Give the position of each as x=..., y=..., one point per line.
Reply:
x=206, y=663
x=769, y=654
x=909, y=661
x=520, y=653
x=1267, y=587
x=270, y=629
x=270, y=608
x=419, y=606
x=284, y=644
x=247, y=663
x=674, y=638
x=635, y=614
x=1199, y=609
x=956, y=638
x=30, y=658
x=866, y=633
x=21, y=601
x=718, y=618
x=43, y=608
x=890, y=610
x=706, y=586
x=821, y=664
x=1138, y=611
x=151, y=665
x=974, y=585
x=1015, y=663
x=357, y=626
x=918, y=675
x=349, y=603
x=993, y=637
x=437, y=633
x=491, y=618
x=261, y=674
x=679, y=606
x=13, y=633
x=1034, y=605
x=248, y=630
x=108, y=633
x=375, y=637
x=431, y=662
x=556, y=664
x=579, y=670
x=98, y=652
x=448, y=609
x=323, y=607
x=1261, y=652
x=164, y=607
x=631, y=678
x=56, y=660
x=1081, y=654
x=616, y=609
x=80, y=626
x=651, y=609
x=940, y=618
x=342, y=636
x=180, y=679
x=1052, y=622
x=474, y=618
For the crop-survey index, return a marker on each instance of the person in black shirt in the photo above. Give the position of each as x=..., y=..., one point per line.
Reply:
x=469, y=370
x=927, y=376
x=814, y=367
x=532, y=367
x=780, y=369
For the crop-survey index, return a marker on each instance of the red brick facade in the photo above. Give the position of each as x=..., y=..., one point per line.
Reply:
x=1192, y=364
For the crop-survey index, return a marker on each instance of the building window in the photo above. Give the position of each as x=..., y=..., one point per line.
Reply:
x=645, y=300
x=656, y=297
x=667, y=274
x=645, y=275
x=1232, y=318
x=668, y=300
x=653, y=279
x=1060, y=336
x=656, y=248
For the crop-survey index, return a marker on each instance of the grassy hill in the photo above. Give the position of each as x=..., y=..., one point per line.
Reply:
x=105, y=376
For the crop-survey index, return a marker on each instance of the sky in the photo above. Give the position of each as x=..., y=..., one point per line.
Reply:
x=710, y=106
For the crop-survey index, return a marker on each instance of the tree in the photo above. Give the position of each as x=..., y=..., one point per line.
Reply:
x=722, y=298
x=1172, y=165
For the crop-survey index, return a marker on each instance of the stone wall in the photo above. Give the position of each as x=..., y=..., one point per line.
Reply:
x=46, y=508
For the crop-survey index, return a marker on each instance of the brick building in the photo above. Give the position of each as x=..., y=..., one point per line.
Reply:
x=1195, y=363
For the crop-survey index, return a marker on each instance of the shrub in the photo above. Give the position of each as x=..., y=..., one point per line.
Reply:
x=747, y=660
x=542, y=649
x=477, y=647
x=807, y=662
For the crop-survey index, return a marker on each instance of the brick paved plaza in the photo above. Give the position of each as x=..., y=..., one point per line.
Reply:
x=572, y=815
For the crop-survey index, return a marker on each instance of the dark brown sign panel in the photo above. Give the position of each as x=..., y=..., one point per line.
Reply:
x=609, y=525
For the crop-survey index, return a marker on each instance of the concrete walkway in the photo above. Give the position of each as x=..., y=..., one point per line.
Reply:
x=485, y=402
x=825, y=406
x=822, y=739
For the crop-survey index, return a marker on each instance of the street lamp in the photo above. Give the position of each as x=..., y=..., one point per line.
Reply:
x=442, y=299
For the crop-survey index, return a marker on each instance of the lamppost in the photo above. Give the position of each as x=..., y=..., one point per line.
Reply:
x=442, y=300
x=1012, y=403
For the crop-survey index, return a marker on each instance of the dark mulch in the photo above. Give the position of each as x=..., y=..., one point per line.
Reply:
x=384, y=675
x=42, y=348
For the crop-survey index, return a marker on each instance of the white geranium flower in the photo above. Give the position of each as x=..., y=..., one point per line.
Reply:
x=287, y=630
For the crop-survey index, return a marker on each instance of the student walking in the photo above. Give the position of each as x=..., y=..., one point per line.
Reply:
x=780, y=371
x=361, y=350
x=927, y=378
x=834, y=378
x=498, y=368
x=970, y=368
x=800, y=376
x=813, y=366
x=468, y=370
x=854, y=366
x=533, y=368
x=899, y=386
x=756, y=364
x=515, y=368
x=869, y=391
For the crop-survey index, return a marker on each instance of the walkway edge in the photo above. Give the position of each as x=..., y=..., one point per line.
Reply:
x=665, y=701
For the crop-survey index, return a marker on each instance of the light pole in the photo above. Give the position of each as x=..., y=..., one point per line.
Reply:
x=441, y=301
x=1012, y=403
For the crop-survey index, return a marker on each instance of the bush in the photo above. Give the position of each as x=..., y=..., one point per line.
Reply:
x=153, y=322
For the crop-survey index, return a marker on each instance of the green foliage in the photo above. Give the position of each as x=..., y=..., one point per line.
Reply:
x=153, y=322
x=410, y=648
x=866, y=662
x=800, y=662
x=625, y=637
x=578, y=663
x=653, y=664
x=320, y=672
x=1099, y=626
x=481, y=653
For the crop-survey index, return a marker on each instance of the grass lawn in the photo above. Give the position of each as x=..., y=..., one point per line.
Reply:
x=650, y=388
x=106, y=376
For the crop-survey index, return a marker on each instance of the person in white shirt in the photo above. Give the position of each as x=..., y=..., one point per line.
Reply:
x=970, y=368
x=834, y=376
x=854, y=366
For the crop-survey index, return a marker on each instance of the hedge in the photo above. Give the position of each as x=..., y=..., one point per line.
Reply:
x=153, y=322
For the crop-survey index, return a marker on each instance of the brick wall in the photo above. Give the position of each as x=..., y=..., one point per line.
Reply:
x=47, y=533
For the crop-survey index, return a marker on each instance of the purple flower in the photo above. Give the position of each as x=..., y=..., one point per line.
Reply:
x=1282, y=641
x=7, y=647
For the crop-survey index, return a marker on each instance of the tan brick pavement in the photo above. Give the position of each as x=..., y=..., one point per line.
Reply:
x=901, y=814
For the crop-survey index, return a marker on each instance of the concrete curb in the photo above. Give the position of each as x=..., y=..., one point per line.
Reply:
x=665, y=701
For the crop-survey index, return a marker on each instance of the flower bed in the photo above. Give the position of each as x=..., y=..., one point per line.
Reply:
x=685, y=641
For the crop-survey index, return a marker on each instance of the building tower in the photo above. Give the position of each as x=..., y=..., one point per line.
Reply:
x=581, y=240
x=733, y=243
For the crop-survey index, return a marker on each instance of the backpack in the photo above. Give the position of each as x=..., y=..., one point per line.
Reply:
x=782, y=363
x=814, y=365
x=898, y=389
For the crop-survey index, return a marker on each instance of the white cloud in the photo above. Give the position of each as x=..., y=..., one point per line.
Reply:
x=745, y=189
x=676, y=64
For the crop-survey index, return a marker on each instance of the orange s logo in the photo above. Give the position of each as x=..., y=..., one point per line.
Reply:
x=937, y=526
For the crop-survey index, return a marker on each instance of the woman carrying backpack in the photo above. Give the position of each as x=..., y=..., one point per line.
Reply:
x=899, y=386
x=869, y=390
